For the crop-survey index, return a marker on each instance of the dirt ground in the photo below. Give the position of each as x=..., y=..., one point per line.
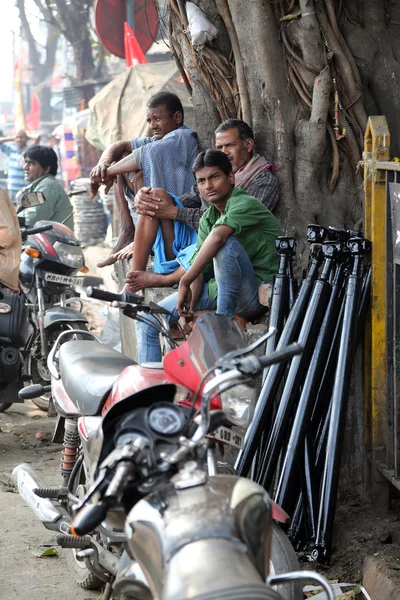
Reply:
x=23, y=575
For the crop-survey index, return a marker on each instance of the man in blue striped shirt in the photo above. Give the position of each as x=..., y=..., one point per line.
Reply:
x=15, y=152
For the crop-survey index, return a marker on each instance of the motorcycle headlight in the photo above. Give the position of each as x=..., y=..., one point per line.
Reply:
x=238, y=405
x=72, y=256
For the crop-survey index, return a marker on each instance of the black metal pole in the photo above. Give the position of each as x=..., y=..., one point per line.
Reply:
x=296, y=523
x=322, y=547
x=301, y=422
x=308, y=334
x=264, y=406
x=309, y=482
x=293, y=285
x=285, y=247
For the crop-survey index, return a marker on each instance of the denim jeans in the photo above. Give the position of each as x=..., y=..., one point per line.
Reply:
x=237, y=294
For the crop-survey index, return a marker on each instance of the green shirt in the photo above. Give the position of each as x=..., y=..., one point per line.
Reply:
x=57, y=206
x=255, y=227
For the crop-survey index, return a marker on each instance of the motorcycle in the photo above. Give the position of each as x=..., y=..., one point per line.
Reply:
x=89, y=382
x=16, y=338
x=50, y=269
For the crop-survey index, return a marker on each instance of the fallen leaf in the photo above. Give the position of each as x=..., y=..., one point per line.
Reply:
x=49, y=585
x=43, y=552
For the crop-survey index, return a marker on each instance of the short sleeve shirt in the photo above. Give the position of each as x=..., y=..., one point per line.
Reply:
x=255, y=228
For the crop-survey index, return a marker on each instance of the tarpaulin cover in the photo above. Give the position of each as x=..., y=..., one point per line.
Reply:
x=118, y=111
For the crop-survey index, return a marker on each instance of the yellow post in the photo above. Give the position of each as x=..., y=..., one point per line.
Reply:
x=376, y=148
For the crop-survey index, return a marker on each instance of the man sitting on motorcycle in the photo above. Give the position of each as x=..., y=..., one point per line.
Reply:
x=10, y=243
x=40, y=171
x=235, y=253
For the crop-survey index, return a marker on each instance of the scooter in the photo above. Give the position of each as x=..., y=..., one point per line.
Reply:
x=89, y=379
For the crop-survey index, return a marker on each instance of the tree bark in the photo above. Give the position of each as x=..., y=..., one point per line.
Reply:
x=290, y=58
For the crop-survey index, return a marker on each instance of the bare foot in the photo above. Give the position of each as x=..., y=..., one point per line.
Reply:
x=139, y=280
x=117, y=253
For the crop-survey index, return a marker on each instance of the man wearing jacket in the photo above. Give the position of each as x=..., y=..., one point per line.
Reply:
x=40, y=172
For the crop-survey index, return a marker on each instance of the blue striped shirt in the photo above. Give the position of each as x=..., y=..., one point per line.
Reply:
x=16, y=175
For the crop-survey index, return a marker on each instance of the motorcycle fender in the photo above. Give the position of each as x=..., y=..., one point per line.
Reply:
x=61, y=314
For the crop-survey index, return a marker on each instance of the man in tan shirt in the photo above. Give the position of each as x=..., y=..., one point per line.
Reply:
x=10, y=243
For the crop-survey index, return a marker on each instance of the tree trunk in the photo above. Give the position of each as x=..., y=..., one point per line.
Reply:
x=292, y=65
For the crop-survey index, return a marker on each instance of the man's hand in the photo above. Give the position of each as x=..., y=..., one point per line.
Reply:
x=98, y=177
x=155, y=203
x=184, y=302
x=99, y=172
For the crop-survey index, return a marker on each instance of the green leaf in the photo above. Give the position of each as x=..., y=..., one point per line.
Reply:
x=49, y=585
x=45, y=552
x=49, y=552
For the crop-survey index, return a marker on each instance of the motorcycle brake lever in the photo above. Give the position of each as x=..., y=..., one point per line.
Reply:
x=228, y=358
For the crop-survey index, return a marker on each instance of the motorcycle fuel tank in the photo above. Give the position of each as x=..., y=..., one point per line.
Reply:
x=231, y=511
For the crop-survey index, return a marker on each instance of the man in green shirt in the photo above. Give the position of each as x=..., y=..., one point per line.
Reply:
x=40, y=171
x=235, y=253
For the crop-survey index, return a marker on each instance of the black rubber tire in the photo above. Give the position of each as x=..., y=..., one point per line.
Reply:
x=283, y=559
x=4, y=406
x=81, y=574
x=43, y=401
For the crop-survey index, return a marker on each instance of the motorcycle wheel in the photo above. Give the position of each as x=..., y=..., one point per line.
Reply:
x=283, y=559
x=81, y=574
x=4, y=406
x=39, y=371
x=79, y=571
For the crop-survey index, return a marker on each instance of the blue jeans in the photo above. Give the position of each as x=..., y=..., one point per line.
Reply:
x=237, y=294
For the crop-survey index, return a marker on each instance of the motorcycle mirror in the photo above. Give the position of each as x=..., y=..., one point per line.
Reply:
x=31, y=199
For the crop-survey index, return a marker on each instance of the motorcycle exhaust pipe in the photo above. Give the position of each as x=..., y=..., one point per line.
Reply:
x=52, y=516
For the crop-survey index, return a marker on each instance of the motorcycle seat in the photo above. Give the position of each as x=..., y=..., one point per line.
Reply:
x=88, y=371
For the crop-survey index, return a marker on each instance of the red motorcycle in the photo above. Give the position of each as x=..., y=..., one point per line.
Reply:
x=91, y=381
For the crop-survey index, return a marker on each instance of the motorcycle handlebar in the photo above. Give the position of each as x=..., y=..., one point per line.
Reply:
x=280, y=355
x=38, y=229
x=126, y=297
x=91, y=515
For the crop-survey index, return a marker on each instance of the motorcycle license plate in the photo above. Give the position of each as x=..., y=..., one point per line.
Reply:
x=227, y=436
x=55, y=278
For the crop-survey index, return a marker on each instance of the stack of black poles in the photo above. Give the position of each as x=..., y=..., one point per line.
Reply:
x=294, y=444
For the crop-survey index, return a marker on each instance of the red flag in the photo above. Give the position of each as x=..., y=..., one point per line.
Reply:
x=133, y=51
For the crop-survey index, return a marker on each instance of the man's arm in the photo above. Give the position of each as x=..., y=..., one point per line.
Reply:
x=213, y=242
x=8, y=230
x=8, y=235
x=3, y=140
x=126, y=165
x=192, y=210
x=111, y=154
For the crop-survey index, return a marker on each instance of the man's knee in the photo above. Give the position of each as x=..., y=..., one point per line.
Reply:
x=229, y=249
